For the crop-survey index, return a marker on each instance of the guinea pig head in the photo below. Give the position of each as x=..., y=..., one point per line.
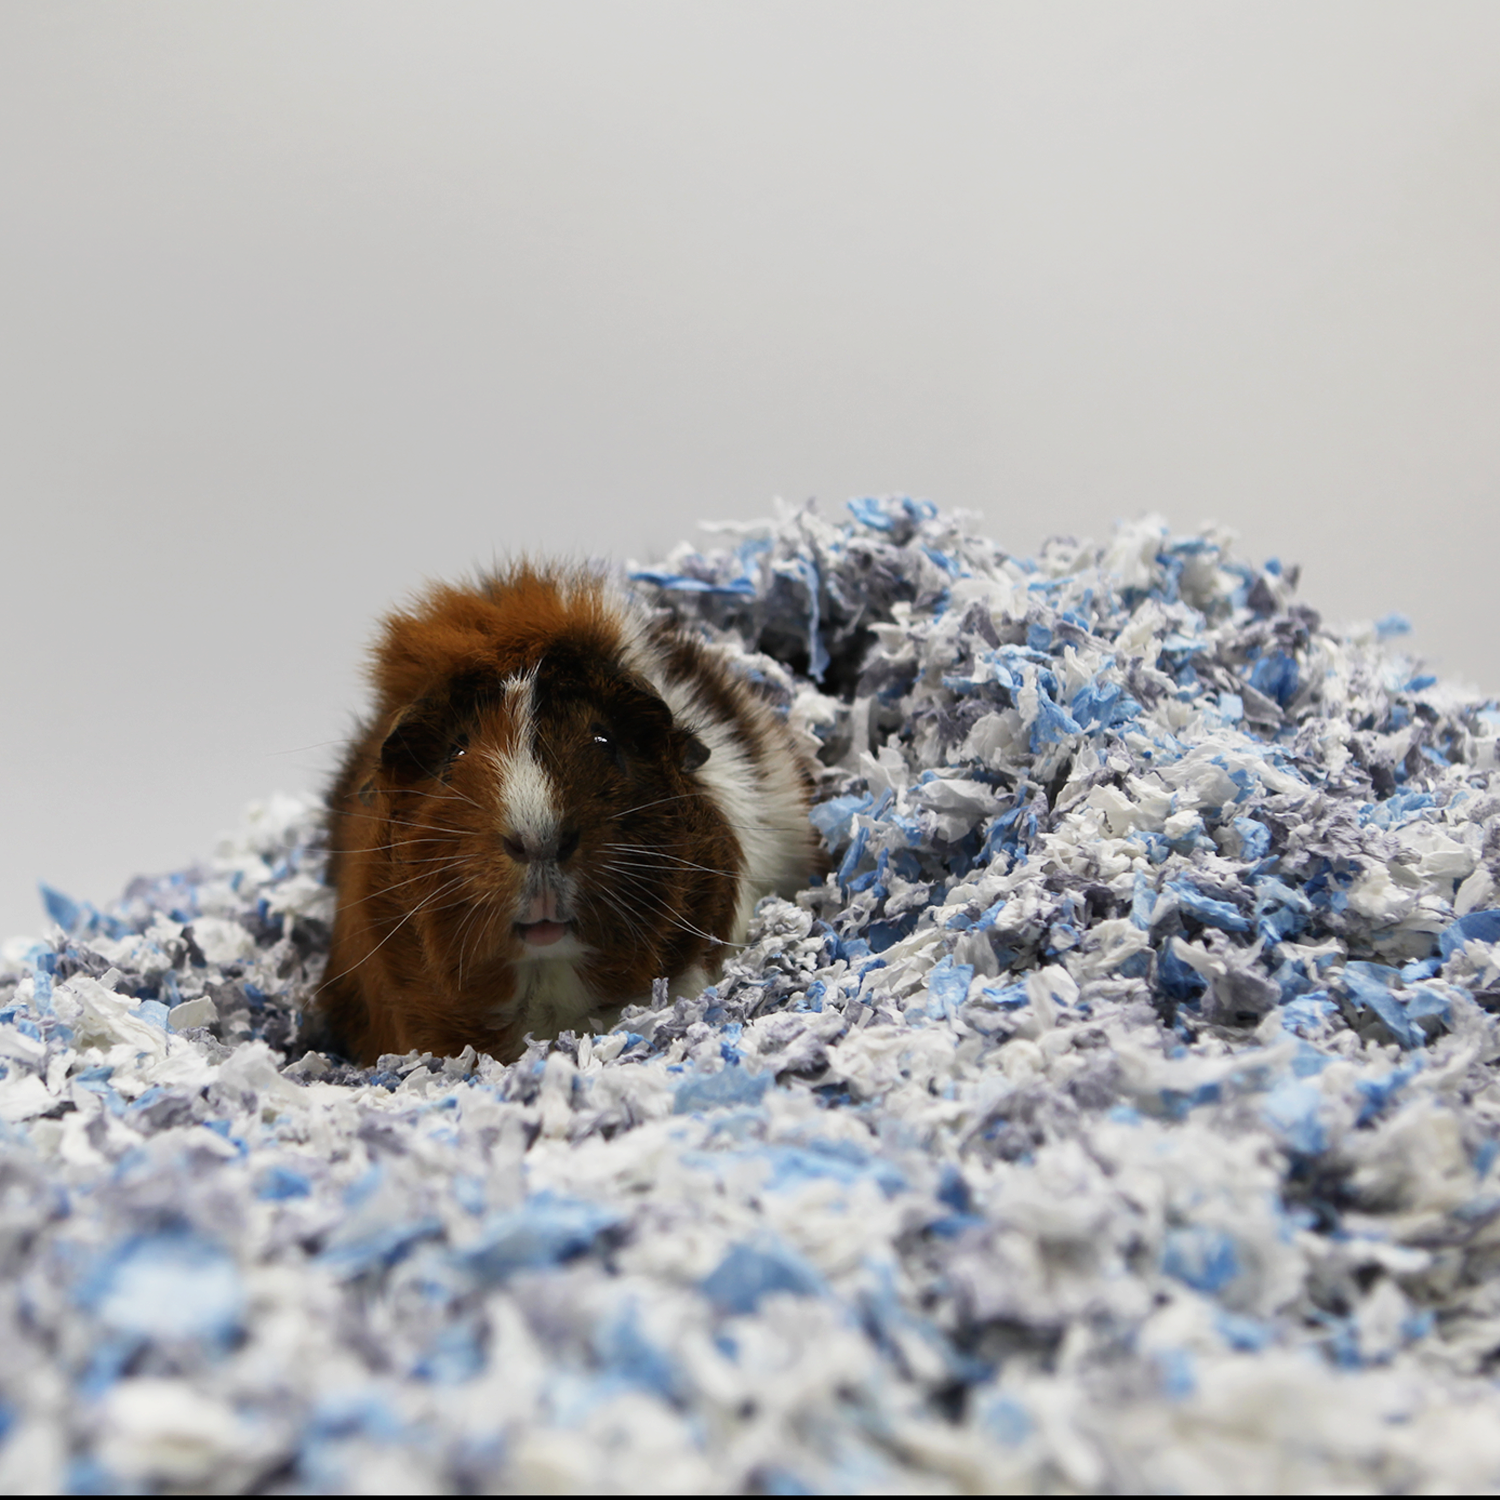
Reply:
x=555, y=814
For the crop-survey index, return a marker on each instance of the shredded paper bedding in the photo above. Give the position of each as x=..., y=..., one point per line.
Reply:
x=1119, y=1114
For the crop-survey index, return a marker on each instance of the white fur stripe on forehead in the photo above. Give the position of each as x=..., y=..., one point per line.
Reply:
x=530, y=798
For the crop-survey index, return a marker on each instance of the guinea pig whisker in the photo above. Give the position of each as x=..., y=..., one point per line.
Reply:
x=468, y=931
x=453, y=795
x=452, y=833
x=643, y=893
x=476, y=932
x=423, y=905
x=652, y=859
x=395, y=885
x=617, y=896
x=381, y=848
x=620, y=909
x=404, y=862
x=708, y=937
x=655, y=854
x=728, y=823
x=638, y=925
x=675, y=797
x=643, y=868
x=402, y=859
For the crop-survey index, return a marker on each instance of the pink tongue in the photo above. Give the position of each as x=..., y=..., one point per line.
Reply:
x=543, y=934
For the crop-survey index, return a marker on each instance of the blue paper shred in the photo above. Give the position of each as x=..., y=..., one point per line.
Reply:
x=747, y=1274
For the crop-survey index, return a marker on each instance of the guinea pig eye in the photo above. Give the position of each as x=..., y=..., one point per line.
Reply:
x=455, y=750
x=601, y=737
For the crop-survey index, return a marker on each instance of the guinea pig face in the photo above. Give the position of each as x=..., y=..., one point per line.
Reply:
x=558, y=815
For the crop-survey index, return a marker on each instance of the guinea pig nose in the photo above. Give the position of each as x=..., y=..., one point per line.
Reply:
x=523, y=851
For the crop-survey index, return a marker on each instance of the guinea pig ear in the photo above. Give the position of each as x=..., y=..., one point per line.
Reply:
x=690, y=751
x=643, y=706
x=421, y=741
x=415, y=748
x=646, y=720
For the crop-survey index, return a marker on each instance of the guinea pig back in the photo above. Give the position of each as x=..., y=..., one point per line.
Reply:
x=558, y=799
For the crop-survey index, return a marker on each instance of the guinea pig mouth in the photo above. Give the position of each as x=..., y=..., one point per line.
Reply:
x=542, y=934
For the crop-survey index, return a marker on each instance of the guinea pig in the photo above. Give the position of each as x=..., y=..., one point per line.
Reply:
x=558, y=799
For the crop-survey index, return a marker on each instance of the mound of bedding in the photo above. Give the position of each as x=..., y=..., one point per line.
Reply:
x=1120, y=1114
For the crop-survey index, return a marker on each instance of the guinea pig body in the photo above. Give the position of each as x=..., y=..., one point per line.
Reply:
x=558, y=799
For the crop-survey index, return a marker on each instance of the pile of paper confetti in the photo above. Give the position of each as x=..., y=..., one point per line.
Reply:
x=1120, y=1114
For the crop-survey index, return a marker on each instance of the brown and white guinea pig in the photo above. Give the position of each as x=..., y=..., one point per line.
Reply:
x=558, y=799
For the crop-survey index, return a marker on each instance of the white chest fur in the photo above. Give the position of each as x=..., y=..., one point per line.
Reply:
x=550, y=994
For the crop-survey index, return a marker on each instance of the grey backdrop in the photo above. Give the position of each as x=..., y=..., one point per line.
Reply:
x=300, y=304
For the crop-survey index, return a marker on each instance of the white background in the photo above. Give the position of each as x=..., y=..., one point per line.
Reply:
x=302, y=303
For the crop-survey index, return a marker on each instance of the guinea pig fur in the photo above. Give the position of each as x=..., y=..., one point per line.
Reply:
x=558, y=799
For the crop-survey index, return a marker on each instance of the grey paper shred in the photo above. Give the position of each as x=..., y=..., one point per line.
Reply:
x=1118, y=1115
